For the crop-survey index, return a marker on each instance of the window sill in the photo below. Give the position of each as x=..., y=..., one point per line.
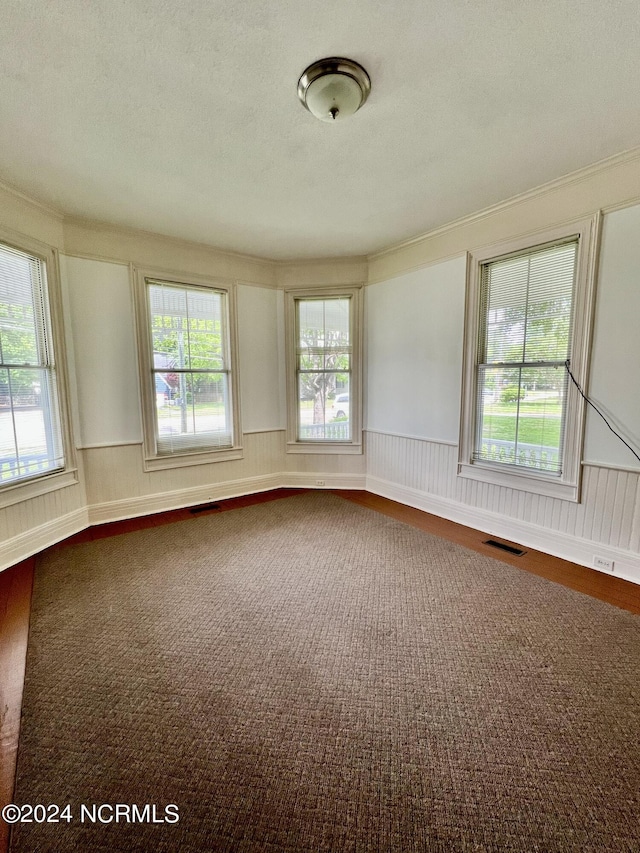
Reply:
x=184, y=460
x=537, y=484
x=25, y=490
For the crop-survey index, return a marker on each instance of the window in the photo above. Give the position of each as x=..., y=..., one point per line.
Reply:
x=324, y=363
x=32, y=437
x=528, y=315
x=189, y=387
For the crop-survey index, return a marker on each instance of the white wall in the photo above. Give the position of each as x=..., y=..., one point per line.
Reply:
x=258, y=312
x=105, y=355
x=415, y=330
x=414, y=352
x=106, y=368
x=104, y=351
x=615, y=365
x=104, y=361
x=414, y=309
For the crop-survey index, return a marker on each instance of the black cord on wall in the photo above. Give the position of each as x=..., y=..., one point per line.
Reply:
x=593, y=406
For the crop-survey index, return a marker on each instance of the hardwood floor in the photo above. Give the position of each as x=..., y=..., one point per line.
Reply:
x=16, y=586
x=15, y=605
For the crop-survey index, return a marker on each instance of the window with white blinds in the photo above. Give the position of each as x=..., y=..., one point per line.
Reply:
x=525, y=323
x=190, y=367
x=31, y=443
x=528, y=311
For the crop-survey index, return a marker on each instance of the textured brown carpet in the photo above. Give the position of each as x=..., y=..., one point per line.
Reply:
x=308, y=675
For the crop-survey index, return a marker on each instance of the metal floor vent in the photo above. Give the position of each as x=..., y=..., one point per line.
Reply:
x=203, y=508
x=504, y=547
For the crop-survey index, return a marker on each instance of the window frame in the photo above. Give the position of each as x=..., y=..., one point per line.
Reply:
x=26, y=488
x=567, y=485
x=152, y=459
x=325, y=446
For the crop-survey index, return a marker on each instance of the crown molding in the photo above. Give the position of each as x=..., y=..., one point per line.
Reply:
x=322, y=272
x=579, y=175
x=41, y=206
x=333, y=259
x=283, y=269
x=141, y=233
x=314, y=270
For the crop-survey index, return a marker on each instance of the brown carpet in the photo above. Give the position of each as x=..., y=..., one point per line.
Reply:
x=308, y=675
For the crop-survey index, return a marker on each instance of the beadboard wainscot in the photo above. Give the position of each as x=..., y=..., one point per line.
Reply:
x=606, y=522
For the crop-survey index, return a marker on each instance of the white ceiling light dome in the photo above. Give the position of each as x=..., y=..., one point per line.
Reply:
x=333, y=89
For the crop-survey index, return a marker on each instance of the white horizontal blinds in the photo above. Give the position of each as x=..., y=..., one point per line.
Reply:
x=526, y=308
x=30, y=431
x=323, y=368
x=191, y=369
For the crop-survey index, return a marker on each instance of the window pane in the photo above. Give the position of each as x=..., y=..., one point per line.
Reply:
x=323, y=323
x=526, y=314
x=549, y=304
x=498, y=391
x=526, y=306
x=211, y=412
x=205, y=308
x=18, y=331
x=168, y=306
x=192, y=411
x=323, y=412
x=30, y=441
x=30, y=432
x=187, y=327
x=334, y=360
x=520, y=416
x=311, y=360
x=324, y=369
x=504, y=286
x=190, y=373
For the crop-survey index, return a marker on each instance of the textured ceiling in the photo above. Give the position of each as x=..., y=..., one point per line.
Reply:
x=182, y=117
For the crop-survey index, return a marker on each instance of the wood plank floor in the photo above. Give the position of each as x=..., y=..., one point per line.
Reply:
x=15, y=605
x=16, y=585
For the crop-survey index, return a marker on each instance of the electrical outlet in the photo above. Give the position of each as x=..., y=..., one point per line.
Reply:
x=319, y=482
x=603, y=563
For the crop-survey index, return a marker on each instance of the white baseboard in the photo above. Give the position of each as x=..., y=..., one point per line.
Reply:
x=36, y=539
x=558, y=544
x=303, y=480
x=581, y=551
x=164, y=501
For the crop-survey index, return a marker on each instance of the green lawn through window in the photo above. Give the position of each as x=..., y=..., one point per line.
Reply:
x=539, y=422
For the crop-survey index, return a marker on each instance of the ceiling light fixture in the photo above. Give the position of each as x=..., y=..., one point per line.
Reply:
x=333, y=89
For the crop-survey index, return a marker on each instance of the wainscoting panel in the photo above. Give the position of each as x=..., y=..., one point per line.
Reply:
x=416, y=472
x=118, y=487
x=29, y=526
x=116, y=473
x=425, y=473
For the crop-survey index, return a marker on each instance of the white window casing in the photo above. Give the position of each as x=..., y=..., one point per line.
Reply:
x=324, y=369
x=36, y=447
x=187, y=352
x=529, y=309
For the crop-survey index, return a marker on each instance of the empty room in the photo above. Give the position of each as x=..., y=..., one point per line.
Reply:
x=319, y=426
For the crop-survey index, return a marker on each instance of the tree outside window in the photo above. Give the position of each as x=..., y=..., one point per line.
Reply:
x=323, y=368
x=30, y=428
